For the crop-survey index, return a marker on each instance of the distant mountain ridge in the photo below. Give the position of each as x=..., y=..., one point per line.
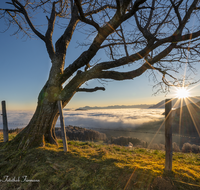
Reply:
x=161, y=104
x=144, y=106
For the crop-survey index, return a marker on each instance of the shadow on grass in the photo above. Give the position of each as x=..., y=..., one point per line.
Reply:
x=87, y=166
x=51, y=168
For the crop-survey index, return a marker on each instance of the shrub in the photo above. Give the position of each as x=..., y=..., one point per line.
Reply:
x=81, y=134
x=161, y=146
x=187, y=147
x=154, y=146
x=195, y=148
x=175, y=147
x=16, y=130
x=124, y=141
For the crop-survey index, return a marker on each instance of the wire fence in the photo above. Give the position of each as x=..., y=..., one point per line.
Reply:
x=127, y=130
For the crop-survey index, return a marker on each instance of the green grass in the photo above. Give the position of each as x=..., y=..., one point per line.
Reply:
x=95, y=166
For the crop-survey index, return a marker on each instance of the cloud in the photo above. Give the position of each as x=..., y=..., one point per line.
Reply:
x=123, y=121
x=108, y=118
x=115, y=118
x=17, y=119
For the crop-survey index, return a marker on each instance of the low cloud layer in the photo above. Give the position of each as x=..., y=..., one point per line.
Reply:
x=110, y=118
x=115, y=118
x=113, y=122
x=17, y=119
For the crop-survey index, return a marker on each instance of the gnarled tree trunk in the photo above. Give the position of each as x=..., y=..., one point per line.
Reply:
x=40, y=129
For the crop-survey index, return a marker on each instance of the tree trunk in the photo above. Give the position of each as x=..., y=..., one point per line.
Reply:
x=40, y=129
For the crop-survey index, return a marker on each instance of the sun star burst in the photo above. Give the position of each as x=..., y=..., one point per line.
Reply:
x=182, y=92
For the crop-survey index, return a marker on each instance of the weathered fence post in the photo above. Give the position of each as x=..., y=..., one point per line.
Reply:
x=168, y=135
x=62, y=123
x=5, y=123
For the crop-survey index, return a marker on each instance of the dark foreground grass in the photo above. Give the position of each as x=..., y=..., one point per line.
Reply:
x=95, y=166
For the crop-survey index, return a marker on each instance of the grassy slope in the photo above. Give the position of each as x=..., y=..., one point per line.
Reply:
x=93, y=166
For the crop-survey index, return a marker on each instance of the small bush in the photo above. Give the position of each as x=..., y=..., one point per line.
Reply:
x=124, y=141
x=81, y=134
x=175, y=147
x=154, y=146
x=161, y=146
x=195, y=148
x=187, y=147
x=17, y=130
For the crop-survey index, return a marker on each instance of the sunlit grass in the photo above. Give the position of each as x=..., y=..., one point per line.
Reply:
x=10, y=136
x=90, y=165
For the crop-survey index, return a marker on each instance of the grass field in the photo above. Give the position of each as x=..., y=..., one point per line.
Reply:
x=95, y=166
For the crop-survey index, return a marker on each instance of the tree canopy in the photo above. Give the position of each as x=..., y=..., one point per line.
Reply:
x=160, y=34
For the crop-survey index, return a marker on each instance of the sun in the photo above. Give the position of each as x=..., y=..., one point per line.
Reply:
x=182, y=92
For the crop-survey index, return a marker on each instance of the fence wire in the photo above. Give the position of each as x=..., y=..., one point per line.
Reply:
x=106, y=129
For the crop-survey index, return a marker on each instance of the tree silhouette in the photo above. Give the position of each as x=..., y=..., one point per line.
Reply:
x=149, y=35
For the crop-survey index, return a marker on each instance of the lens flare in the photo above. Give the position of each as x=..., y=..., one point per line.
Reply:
x=182, y=92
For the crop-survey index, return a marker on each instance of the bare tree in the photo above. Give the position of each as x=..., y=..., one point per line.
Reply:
x=149, y=35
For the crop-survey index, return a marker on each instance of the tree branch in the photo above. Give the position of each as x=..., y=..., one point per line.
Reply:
x=49, y=32
x=63, y=42
x=18, y=24
x=133, y=10
x=161, y=23
x=187, y=15
x=90, y=89
x=132, y=74
x=100, y=9
x=176, y=10
x=123, y=38
x=83, y=18
x=122, y=75
x=144, y=31
x=10, y=10
x=124, y=60
x=23, y=11
x=105, y=31
x=150, y=15
x=178, y=38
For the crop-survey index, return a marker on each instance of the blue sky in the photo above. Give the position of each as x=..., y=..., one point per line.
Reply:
x=25, y=67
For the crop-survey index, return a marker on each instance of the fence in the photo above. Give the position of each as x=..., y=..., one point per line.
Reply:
x=168, y=132
x=5, y=123
x=62, y=124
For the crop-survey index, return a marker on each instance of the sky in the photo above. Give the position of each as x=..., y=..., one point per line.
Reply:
x=24, y=69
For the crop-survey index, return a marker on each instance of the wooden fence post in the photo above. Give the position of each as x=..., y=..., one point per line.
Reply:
x=5, y=123
x=62, y=123
x=168, y=135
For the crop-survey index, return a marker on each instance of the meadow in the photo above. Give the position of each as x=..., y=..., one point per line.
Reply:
x=95, y=165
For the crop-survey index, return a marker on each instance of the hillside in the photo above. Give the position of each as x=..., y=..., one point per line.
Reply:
x=161, y=104
x=142, y=106
x=189, y=125
x=96, y=166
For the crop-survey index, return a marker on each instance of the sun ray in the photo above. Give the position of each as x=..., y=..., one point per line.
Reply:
x=181, y=98
x=190, y=110
x=163, y=121
x=194, y=86
x=194, y=102
x=130, y=178
x=156, y=133
x=180, y=120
